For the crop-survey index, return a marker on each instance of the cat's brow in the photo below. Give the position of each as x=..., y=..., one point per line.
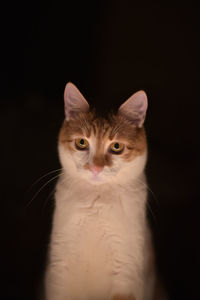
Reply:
x=94, y=128
x=100, y=128
x=106, y=131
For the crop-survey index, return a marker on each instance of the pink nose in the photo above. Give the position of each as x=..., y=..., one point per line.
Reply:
x=96, y=169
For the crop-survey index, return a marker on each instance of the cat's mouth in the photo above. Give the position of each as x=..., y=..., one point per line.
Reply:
x=100, y=177
x=95, y=178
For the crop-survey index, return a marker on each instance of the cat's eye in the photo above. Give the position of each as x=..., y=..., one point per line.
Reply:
x=81, y=143
x=116, y=147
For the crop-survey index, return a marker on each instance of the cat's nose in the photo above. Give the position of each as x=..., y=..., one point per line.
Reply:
x=96, y=169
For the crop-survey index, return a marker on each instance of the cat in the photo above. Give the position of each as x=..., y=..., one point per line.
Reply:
x=100, y=246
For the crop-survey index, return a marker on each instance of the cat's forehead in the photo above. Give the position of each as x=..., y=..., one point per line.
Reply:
x=111, y=127
x=100, y=132
x=92, y=124
x=101, y=128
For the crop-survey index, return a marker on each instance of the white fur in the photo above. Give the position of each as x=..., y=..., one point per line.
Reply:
x=99, y=240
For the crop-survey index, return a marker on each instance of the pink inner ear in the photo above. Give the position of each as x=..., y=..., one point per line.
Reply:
x=135, y=108
x=74, y=101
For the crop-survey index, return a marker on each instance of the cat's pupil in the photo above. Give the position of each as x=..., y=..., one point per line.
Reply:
x=116, y=146
x=82, y=142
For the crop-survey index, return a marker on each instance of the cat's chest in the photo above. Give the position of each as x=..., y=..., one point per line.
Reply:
x=92, y=229
x=95, y=233
x=85, y=217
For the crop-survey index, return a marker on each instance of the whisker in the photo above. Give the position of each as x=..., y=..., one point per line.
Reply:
x=36, y=194
x=51, y=193
x=150, y=210
x=49, y=196
x=148, y=204
x=45, y=175
x=149, y=189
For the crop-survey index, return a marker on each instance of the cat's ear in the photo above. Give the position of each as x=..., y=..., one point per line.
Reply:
x=134, y=109
x=74, y=101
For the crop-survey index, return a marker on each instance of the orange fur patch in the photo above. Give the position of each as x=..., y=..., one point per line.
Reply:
x=123, y=297
x=115, y=128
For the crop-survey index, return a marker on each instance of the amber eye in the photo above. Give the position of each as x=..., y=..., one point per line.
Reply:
x=81, y=144
x=116, y=147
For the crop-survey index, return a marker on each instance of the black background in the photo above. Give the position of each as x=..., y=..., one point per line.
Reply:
x=109, y=50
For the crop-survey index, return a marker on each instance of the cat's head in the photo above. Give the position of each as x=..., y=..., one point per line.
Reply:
x=103, y=150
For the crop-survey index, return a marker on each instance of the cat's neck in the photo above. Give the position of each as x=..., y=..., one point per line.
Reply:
x=67, y=183
x=80, y=195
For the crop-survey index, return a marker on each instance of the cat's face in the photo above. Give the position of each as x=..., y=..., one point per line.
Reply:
x=100, y=150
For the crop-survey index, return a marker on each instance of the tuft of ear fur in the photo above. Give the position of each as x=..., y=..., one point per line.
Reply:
x=134, y=109
x=74, y=101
